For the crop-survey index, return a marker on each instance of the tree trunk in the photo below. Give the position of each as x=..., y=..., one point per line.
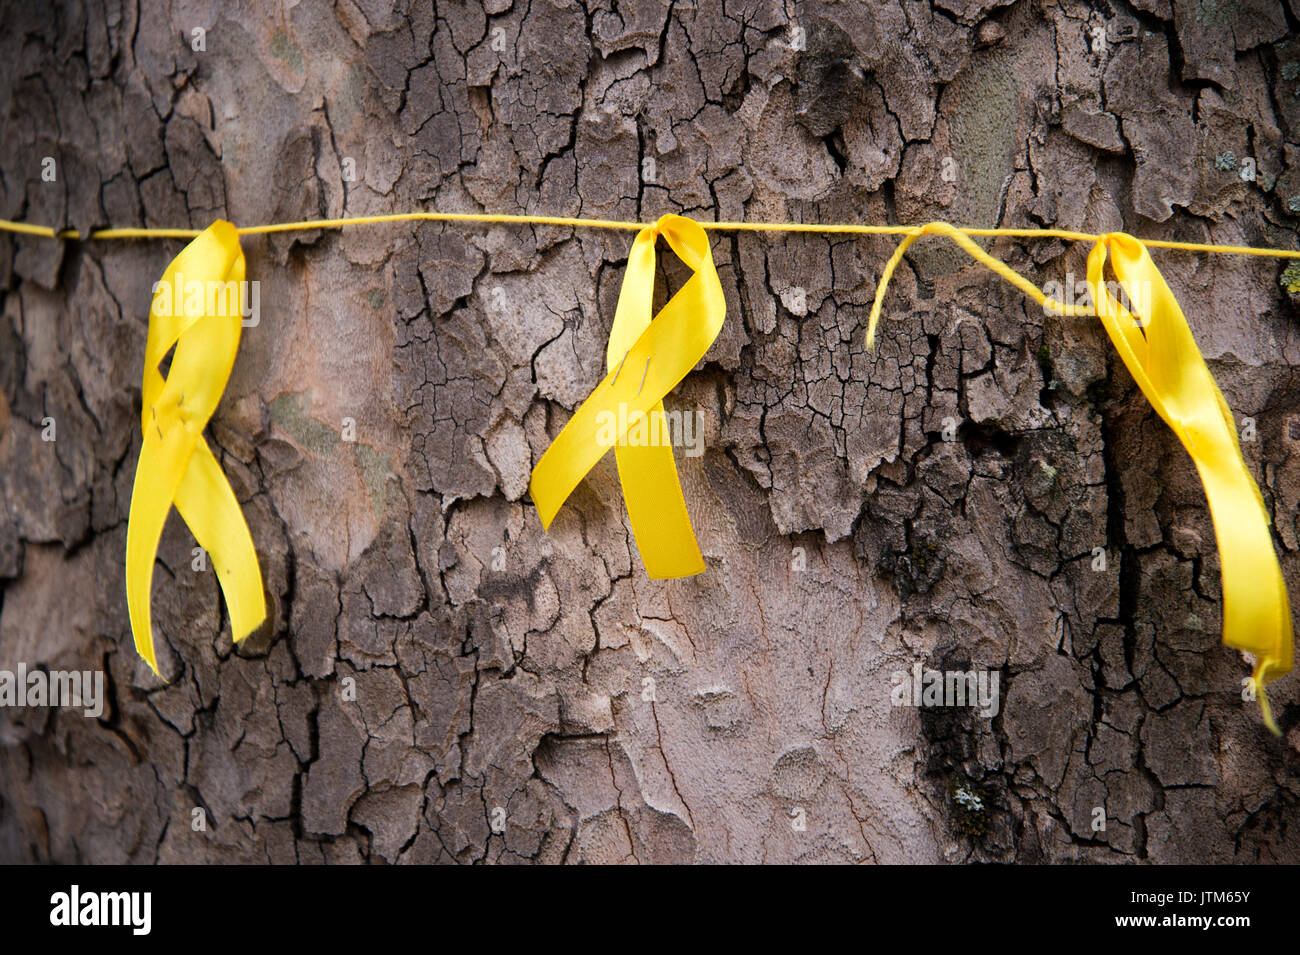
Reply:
x=441, y=680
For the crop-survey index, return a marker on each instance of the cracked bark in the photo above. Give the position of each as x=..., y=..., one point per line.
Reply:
x=440, y=680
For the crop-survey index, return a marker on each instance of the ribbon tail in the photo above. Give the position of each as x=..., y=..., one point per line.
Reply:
x=157, y=476
x=566, y=462
x=1256, y=610
x=656, y=507
x=209, y=507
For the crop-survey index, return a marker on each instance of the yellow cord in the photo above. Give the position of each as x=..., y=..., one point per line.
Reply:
x=961, y=236
x=630, y=226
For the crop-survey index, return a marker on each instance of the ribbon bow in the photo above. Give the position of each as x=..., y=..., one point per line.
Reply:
x=646, y=360
x=176, y=465
x=1162, y=357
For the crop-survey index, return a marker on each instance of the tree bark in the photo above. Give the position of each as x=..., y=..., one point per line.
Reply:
x=442, y=681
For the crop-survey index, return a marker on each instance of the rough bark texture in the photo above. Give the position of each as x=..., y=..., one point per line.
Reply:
x=502, y=711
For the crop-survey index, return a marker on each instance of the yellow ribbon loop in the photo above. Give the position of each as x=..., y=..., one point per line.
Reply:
x=198, y=307
x=646, y=360
x=1162, y=356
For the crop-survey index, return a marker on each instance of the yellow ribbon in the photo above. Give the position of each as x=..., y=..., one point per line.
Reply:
x=1161, y=354
x=1162, y=357
x=646, y=360
x=197, y=307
